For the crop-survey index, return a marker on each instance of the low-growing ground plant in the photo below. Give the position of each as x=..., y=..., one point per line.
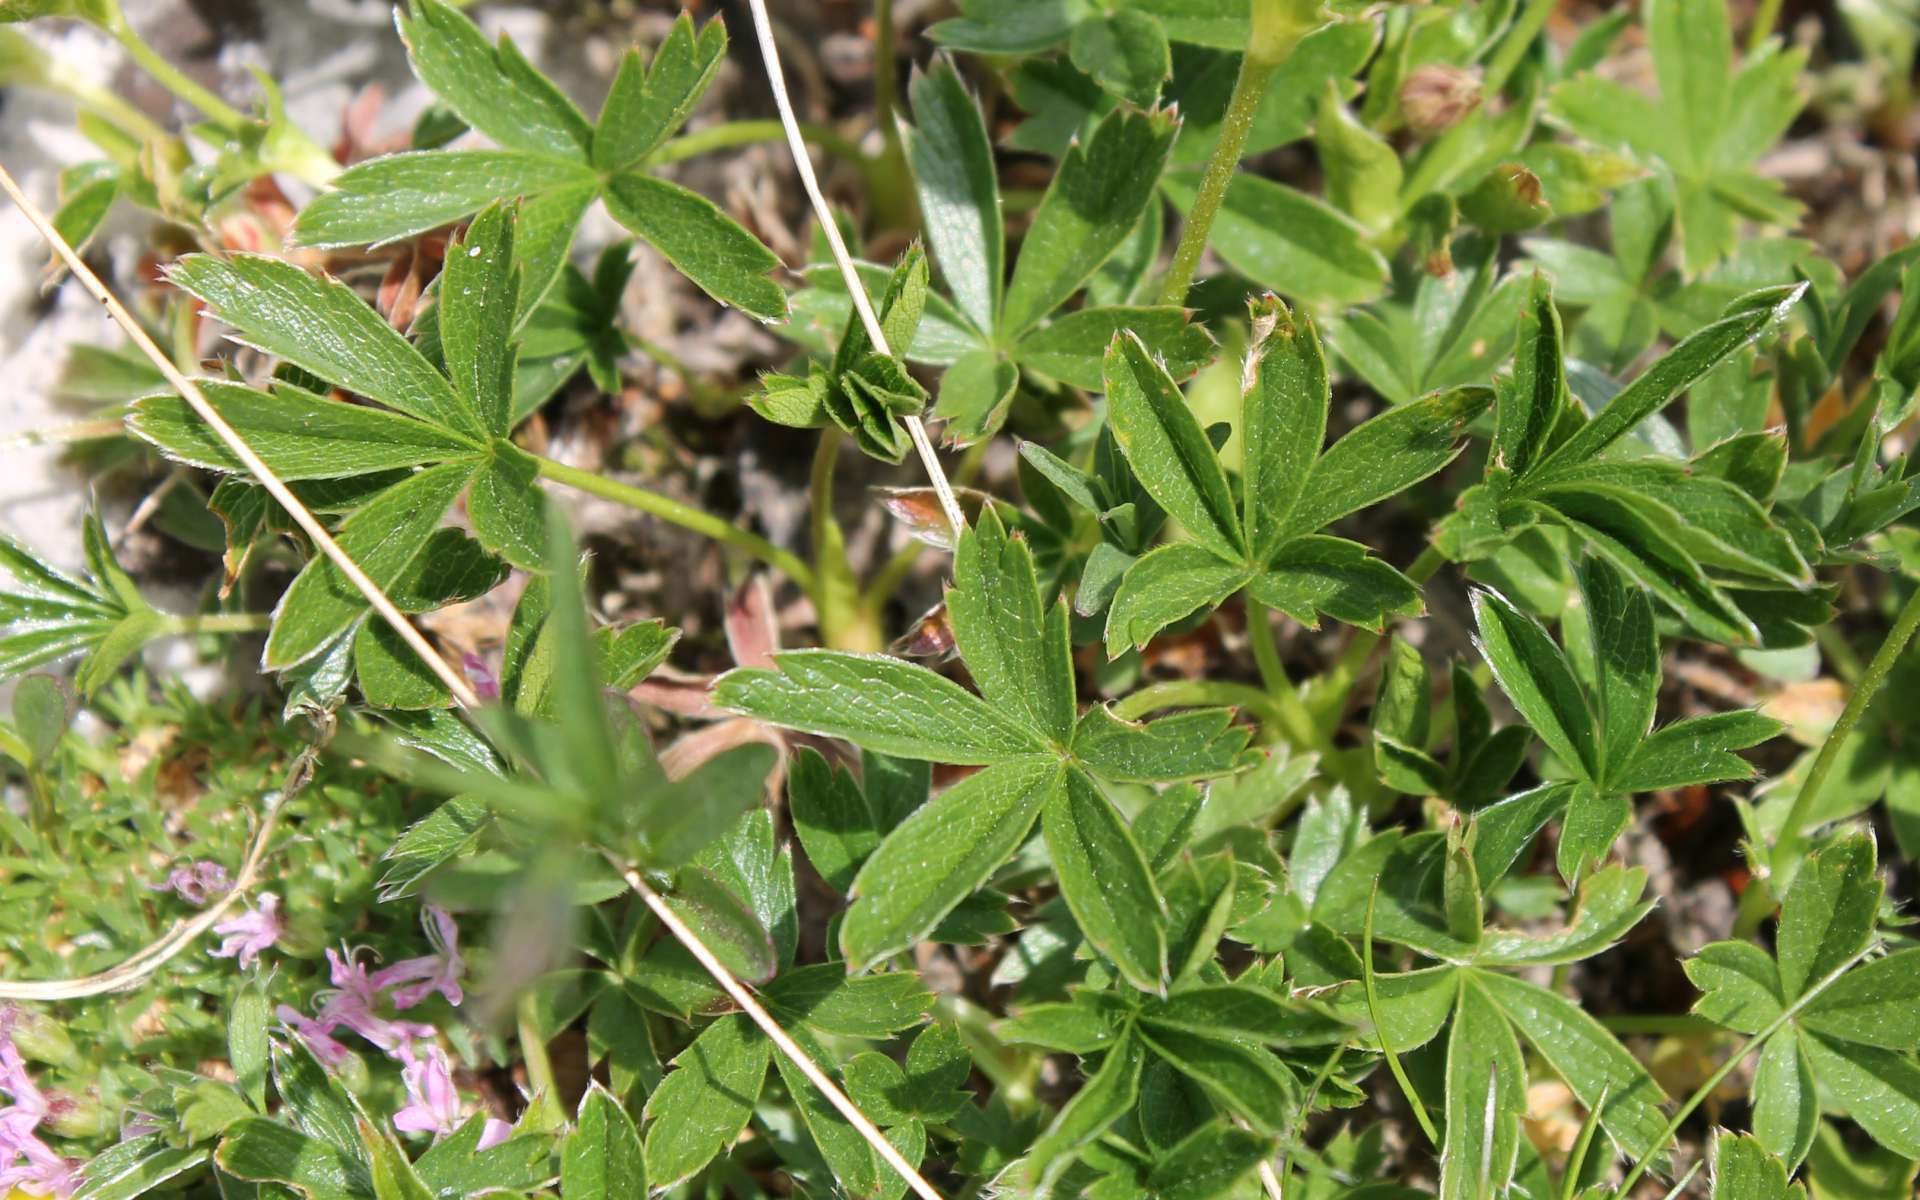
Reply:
x=1345, y=638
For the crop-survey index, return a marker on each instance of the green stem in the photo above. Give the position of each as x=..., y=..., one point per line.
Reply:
x=1757, y=901
x=1714, y=1080
x=1295, y=721
x=1380, y=1032
x=1525, y=28
x=1192, y=693
x=730, y=134
x=1277, y=28
x=836, y=595
x=886, y=78
x=1765, y=18
x=175, y=80
x=1249, y=88
x=685, y=516
x=190, y=626
x=1659, y=1024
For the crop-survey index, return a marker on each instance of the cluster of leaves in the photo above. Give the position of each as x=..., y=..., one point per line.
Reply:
x=1054, y=927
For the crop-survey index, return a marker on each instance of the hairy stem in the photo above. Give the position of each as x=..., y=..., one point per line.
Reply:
x=1758, y=899
x=1714, y=1080
x=188, y=626
x=1278, y=27
x=1520, y=35
x=685, y=516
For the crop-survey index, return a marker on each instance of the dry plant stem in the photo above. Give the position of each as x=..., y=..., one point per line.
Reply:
x=778, y=1036
x=1713, y=1081
x=190, y=391
x=856, y=290
x=1758, y=900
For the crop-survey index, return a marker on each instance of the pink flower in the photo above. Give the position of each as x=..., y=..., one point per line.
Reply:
x=418, y=978
x=433, y=1106
x=197, y=882
x=43, y=1174
x=485, y=683
x=318, y=1036
x=250, y=932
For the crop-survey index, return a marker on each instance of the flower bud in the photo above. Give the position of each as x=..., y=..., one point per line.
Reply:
x=1435, y=98
x=75, y=1115
x=37, y=1036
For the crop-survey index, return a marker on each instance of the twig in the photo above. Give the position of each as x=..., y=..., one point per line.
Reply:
x=190, y=391
x=796, y=142
x=778, y=1036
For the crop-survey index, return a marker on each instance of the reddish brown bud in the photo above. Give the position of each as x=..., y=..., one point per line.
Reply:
x=1435, y=98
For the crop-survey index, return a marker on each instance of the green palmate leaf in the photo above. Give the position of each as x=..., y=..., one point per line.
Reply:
x=1017, y=650
x=1289, y=242
x=1284, y=401
x=1594, y=820
x=1747, y=319
x=1742, y=1169
x=135, y=1167
x=1532, y=400
x=1872, y=1004
x=1587, y=1058
x=974, y=395
x=401, y=195
x=320, y=326
x=1072, y=347
x=1105, y=881
x=702, y=242
x=942, y=854
x=860, y=1172
x=1696, y=750
x=1387, y=455
x=1125, y=52
x=1537, y=678
x=298, y=434
x=1720, y=524
x=383, y=536
x=1739, y=985
x=1169, y=452
x=1208, y=1162
x=649, y=101
x=507, y=506
x=1166, y=585
x=479, y=292
x=494, y=89
x=728, y=926
x=1879, y=1089
x=1225, y=1010
x=953, y=172
x=1320, y=574
x=881, y=704
x=1632, y=532
x=454, y=1166
x=1828, y=914
x=1786, y=1100
x=873, y=1006
x=702, y=1105
x=1199, y=744
x=1095, y=199
x=831, y=814
x=1107, y=1095
x=1008, y=26
x=393, y=1175
x=1620, y=666
x=1245, y=1079
x=1486, y=1096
